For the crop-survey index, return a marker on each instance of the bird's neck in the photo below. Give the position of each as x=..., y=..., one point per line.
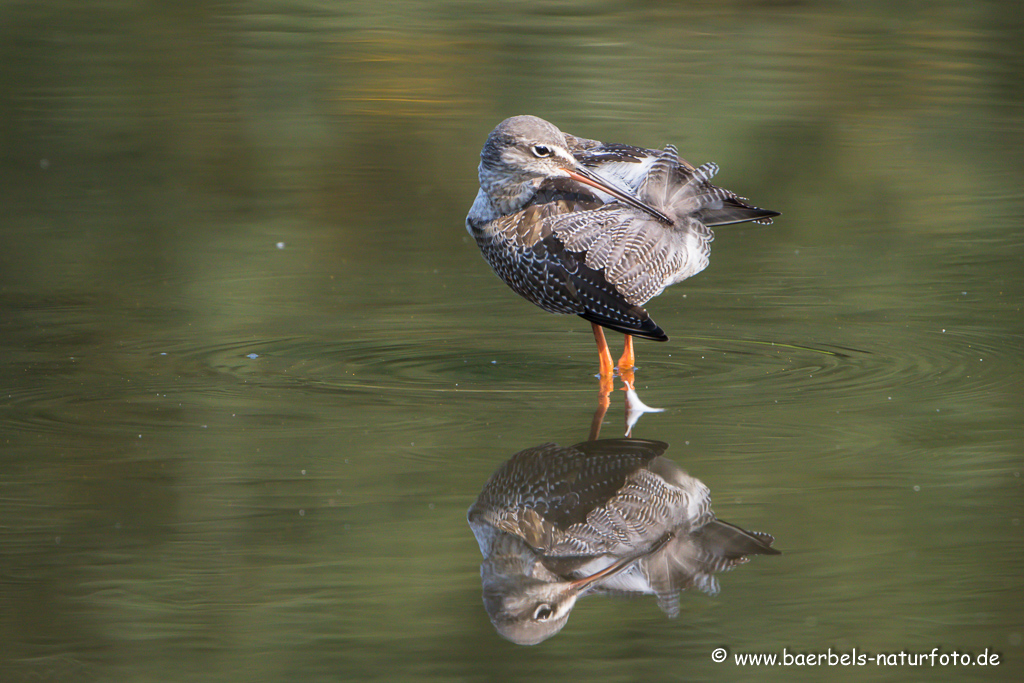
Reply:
x=508, y=194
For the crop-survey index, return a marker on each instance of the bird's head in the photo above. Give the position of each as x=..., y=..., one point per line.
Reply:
x=522, y=152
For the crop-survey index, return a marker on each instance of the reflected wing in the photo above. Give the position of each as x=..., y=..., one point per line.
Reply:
x=541, y=492
x=691, y=561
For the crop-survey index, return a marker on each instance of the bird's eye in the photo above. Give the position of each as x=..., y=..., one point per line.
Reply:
x=541, y=151
x=543, y=612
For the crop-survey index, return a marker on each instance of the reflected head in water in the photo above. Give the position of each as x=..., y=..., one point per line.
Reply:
x=530, y=609
x=613, y=516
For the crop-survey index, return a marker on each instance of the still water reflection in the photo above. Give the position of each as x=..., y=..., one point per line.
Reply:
x=253, y=371
x=557, y=523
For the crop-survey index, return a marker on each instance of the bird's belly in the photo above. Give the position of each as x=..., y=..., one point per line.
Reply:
x=530, y=274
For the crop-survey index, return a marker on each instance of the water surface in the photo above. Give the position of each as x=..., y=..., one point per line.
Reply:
x=255, y=371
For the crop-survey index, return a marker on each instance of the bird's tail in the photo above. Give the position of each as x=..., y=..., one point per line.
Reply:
x=678, y=189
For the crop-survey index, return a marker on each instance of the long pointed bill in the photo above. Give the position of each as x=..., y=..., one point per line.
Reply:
x=585, y=176
x=613, y=569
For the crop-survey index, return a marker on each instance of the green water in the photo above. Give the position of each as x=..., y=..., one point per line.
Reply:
x=255, y=371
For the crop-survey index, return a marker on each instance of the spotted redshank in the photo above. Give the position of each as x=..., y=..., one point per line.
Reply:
x=580, y=226
x=556, y=523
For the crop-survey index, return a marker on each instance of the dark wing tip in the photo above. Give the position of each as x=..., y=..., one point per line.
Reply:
x=645, y=329
x=601, y=303
x=732, y=213
x=722, y=207
x=734, y=542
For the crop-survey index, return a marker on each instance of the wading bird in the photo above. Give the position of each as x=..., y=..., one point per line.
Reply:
x=594, y=229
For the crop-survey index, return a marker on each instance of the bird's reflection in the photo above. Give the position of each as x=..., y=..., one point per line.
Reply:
x=635, y=408
x=611, y=516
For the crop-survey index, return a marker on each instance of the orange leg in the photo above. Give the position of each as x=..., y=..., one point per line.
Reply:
x=626, y=362
x=604, y=355
x=605, y=381
x=595, y=424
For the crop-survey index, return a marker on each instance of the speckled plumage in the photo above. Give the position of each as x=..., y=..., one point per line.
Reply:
x=553, y=516
x=572, y=248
